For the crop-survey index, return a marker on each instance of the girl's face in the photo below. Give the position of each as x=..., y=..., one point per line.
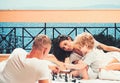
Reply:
x=66, y=45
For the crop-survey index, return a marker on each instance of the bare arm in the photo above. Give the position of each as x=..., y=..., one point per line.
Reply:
x=83, y=72
x=80, y=65
x=113, y=65
x=54, y=69
x=44, y=81
x=108, y=48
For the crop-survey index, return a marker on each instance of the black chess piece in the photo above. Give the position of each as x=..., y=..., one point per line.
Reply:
x=53, y=76
x=66, y=78
x=74, y=80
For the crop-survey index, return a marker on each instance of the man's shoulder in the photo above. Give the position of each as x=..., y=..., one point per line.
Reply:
x=18, y=52
x=18, y=49
x=39, y=61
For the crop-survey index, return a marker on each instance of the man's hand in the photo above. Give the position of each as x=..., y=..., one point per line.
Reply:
x=55, y=69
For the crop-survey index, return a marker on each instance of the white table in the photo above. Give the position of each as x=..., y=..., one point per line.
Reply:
x=89, y=81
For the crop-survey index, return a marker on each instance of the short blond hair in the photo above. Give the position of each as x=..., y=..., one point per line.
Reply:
x=83, y=39
x=41, y=41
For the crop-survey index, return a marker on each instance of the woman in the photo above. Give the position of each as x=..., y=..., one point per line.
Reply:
x=62, y=53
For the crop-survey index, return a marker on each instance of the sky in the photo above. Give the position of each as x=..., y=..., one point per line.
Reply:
x=58, y=4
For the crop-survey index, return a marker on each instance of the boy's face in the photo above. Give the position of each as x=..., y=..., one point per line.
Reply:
x=84, y=50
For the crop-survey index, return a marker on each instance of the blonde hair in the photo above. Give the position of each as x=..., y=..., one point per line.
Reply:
x=85, y=39
x=41, y=41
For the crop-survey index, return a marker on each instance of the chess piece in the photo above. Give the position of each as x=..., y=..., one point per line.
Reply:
x=66, y=78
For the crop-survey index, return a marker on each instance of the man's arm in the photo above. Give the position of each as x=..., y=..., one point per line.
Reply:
x=54, y=69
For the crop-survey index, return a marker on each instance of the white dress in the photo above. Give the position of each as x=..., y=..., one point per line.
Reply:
x=18, y=69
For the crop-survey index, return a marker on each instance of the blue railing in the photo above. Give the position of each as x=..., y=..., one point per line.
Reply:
x=13, y=37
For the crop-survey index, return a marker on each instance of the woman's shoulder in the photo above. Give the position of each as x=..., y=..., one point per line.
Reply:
x=74, y=56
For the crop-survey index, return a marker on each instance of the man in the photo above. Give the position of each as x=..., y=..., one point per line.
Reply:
x=23, y=67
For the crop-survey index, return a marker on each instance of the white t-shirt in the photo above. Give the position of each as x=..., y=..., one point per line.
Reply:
x=97, y=58
x=18, y=69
